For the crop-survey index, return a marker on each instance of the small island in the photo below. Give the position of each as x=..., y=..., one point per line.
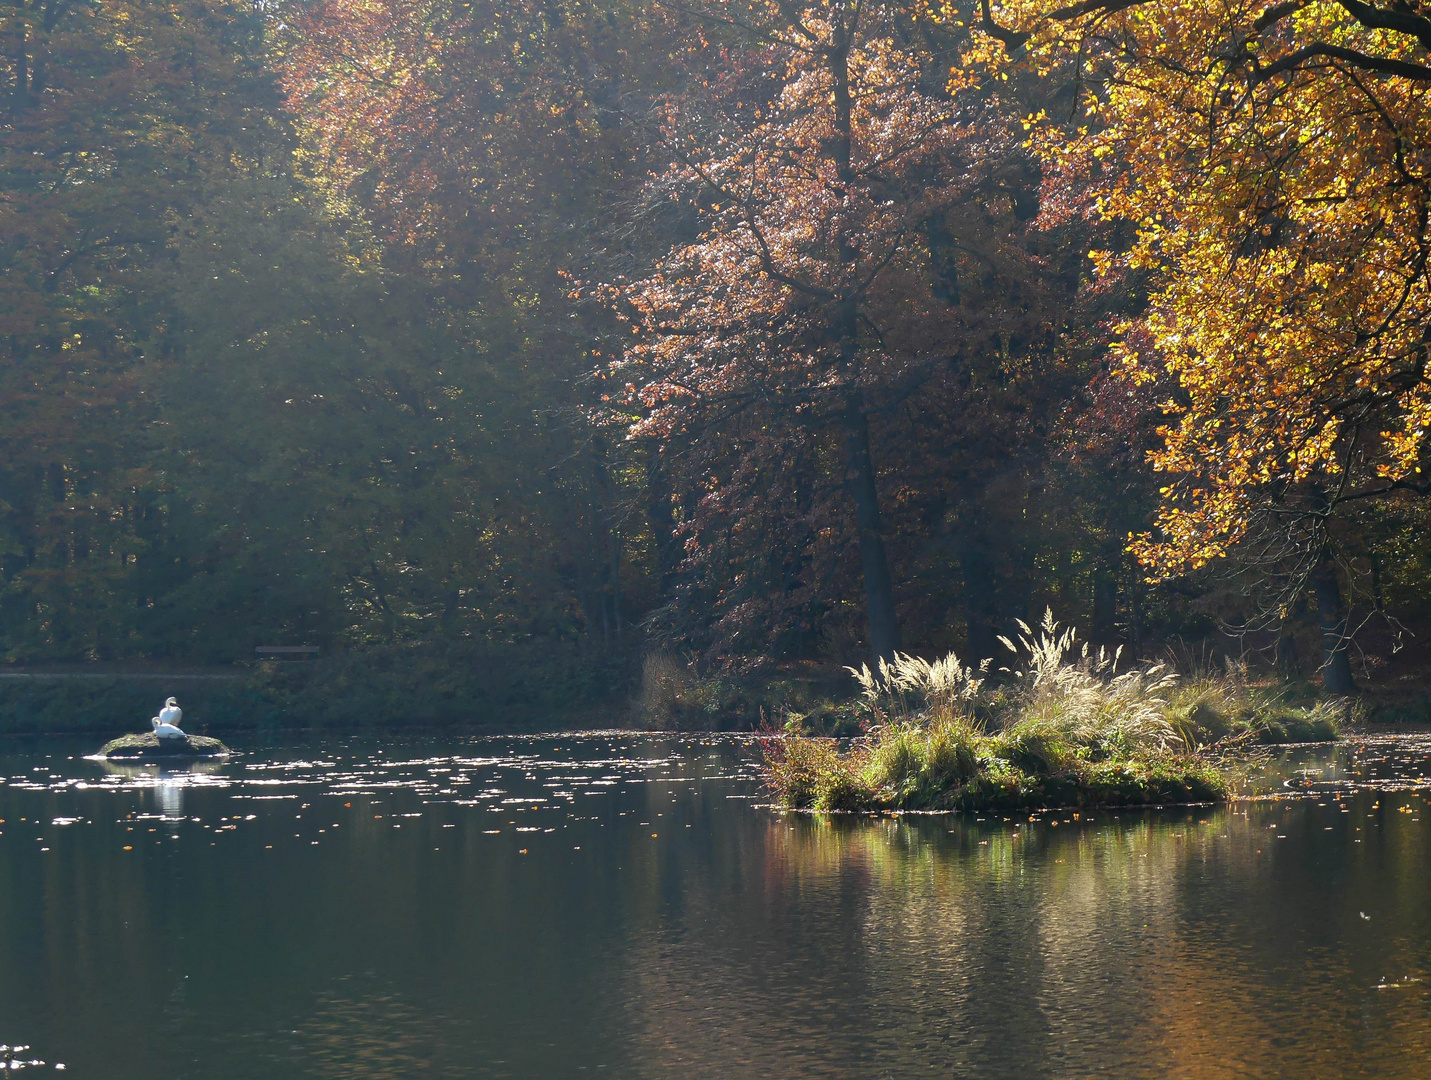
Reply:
x=167, y=740
x=147, y=746
x=1061, y=727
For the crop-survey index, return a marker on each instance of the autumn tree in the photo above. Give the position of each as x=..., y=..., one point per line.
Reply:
x=842, y=194
x=302, y=340
x=1270, y=158
x=118, y=119
x=883, y=414
x=489, y=148
x=181, y=330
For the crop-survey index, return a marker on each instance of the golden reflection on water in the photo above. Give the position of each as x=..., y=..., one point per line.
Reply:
x=1109, y=942
x=372, y=1035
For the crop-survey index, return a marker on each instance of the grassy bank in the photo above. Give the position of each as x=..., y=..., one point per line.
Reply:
x=454, y=684
x=677, y=696
x=1060, y=728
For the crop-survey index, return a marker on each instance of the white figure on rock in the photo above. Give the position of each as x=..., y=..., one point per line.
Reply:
x=166, y=724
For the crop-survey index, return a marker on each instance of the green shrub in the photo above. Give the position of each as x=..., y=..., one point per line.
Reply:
x=809, y=772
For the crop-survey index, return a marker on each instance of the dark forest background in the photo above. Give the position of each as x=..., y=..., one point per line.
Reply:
x=279, y=367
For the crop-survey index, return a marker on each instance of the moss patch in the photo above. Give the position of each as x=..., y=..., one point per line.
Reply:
x=149, y=746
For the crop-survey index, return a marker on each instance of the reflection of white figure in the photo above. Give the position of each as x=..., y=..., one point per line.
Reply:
x=171, y=798
x=166, y=724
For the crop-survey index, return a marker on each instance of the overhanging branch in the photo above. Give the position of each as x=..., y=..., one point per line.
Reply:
x=1380, y=64
x=1401, y=21
x=1088, y=7
x=1013, y=39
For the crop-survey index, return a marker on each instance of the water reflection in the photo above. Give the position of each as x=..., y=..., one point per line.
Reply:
x=1190, y=944
x=165, y=782
x=547, y=907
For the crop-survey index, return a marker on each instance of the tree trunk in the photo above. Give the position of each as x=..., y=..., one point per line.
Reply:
x=20, y=94
x=874, y=563
x=859, y=468
x=1105, y=606
x=980, y=598
x=1336, y=665
x=616, y=581
x=1288, y=665
x=605, y=543
x=661, y=518
x=1135, y=612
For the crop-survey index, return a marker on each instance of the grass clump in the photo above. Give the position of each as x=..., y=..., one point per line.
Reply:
x=1209, y=708
x=1063, y=729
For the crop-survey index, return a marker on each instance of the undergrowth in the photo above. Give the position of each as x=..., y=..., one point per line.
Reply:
x=677, y=696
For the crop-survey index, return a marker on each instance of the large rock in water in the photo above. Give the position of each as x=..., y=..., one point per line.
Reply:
x=149, y=746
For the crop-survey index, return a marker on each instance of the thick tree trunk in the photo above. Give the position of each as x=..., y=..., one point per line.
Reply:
x=860, y=482
x=1336, y=665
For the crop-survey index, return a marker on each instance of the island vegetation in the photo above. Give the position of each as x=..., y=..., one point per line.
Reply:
x=1061, y=726
x=531, y=357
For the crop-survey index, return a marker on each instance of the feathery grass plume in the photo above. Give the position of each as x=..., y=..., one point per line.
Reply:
x=943, y=686
x=1082, y=698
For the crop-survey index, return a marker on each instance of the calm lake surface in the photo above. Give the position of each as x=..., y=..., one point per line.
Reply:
x=621, y=904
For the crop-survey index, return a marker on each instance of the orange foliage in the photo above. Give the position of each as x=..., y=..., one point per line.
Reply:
x=823, y=171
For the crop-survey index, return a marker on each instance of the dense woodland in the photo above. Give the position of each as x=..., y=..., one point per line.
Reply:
x=529, y=338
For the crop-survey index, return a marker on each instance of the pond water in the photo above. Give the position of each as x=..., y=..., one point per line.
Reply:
x=621, y=904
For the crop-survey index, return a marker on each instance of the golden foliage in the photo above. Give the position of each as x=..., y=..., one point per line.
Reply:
x=1273, y=162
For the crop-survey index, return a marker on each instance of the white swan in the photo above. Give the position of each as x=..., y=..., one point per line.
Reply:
x=166, y=724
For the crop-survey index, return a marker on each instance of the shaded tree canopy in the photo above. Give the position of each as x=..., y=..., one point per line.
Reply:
x=757, y=332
